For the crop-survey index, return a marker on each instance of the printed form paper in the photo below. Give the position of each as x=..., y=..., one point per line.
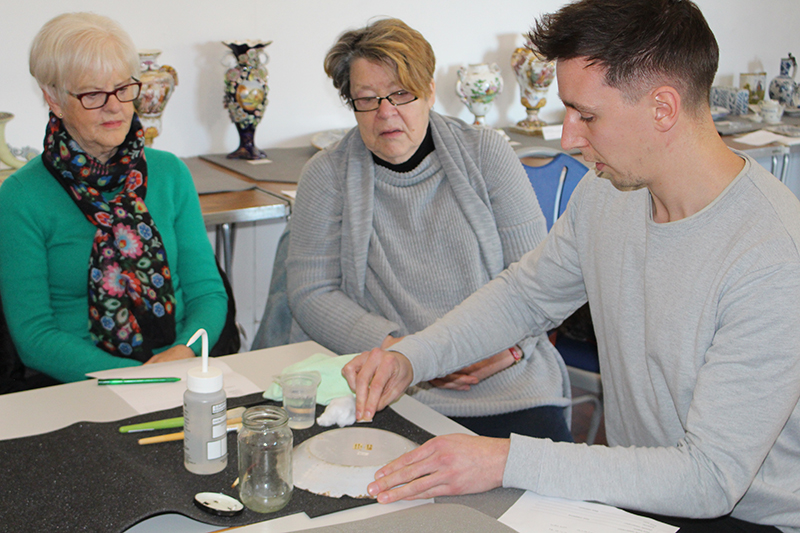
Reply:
x=149, y=397
x=539, y=514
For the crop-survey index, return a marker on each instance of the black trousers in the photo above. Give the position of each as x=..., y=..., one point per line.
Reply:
x=546, y=422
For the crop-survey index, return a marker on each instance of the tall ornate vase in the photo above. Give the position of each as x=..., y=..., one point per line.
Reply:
x=158, y=83
x=477, y=87
x=534, y=76
x=246, y=93
x=782, y=87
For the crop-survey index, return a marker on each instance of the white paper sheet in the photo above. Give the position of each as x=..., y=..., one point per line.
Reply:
x=539, y=514
x=150, y=397
x=551, y=133
x=763, y=137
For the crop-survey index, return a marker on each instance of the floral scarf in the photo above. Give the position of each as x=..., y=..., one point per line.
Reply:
x=131, y=298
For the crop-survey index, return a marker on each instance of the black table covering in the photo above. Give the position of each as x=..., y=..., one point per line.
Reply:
x=90, y=477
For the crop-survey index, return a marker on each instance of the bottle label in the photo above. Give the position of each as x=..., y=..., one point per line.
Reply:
x=218, y=408
x=216, y=449
x=218, y=430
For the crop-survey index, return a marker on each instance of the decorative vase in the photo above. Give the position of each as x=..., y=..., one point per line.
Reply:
x=246, y=93
x=6, y=156
x=754, y=82
x=782, y=87
x=158, y=83
x=13, y=158
x=534, y=75
x=477, y=86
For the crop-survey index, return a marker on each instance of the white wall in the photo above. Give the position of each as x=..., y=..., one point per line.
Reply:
x=752, y=36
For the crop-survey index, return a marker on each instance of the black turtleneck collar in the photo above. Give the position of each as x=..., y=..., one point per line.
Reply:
x=422, y=152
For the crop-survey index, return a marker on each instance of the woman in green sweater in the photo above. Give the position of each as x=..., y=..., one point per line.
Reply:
x=104, y=259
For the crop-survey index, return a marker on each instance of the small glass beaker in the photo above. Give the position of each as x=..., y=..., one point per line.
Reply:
x=300, y=397
x=265, y=459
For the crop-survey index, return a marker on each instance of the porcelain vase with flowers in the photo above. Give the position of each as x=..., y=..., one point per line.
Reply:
x=158, y=83
x=246, y=92
x=534, y=76
x=477, y=87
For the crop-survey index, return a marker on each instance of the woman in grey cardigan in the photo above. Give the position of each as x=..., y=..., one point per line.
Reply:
x=407, y=216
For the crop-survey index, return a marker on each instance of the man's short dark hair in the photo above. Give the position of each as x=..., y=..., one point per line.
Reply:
x=641, y=43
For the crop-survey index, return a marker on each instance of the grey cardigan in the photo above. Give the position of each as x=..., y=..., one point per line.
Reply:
x=374, y=252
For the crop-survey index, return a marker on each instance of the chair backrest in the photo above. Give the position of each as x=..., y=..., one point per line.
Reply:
x=12, y=371
x=229, y=340
x=553, y=181
x=276, y=324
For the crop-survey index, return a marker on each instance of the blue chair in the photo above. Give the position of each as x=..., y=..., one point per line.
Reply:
x=554, y=180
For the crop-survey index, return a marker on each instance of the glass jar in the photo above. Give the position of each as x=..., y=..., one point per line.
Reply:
x=265, y=459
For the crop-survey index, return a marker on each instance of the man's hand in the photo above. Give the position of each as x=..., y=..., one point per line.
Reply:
x=181, y=351
x=378, y=378
x=476, y=372
x=443, y=466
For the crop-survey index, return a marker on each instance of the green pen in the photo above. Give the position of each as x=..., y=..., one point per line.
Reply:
x=167, y=423
x=129, y=381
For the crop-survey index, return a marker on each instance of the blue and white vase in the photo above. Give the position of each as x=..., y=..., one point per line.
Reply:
x=783, y=87
x=731, y=98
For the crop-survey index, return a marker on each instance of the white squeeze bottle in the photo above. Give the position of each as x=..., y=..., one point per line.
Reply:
x=205, y=435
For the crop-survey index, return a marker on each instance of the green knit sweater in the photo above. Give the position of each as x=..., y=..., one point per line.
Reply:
x=45, y=243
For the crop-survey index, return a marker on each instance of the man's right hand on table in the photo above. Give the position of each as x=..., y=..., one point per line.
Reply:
x=446, y=465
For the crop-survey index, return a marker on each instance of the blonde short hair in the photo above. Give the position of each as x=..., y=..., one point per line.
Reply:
x=74, y=46
x=390, y=41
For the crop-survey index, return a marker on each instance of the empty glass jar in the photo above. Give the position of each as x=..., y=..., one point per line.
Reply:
x=265, y=459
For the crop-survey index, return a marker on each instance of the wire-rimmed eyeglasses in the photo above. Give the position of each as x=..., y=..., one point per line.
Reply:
x=371, y=103
x=97, y=99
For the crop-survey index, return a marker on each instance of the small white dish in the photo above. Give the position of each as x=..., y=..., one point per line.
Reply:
x=324, y=139
x=218, y=504
x=342, y=462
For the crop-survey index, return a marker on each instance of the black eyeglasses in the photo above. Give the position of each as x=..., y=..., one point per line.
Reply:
x=97, y=99
x=371, y=103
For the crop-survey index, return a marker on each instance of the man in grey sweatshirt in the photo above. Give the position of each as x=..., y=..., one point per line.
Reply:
x=688, y=255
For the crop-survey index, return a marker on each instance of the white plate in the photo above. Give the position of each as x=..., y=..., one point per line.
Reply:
x=342, y=462
x=324, y=139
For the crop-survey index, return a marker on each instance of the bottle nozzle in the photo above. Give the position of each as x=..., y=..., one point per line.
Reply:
x=204, y=352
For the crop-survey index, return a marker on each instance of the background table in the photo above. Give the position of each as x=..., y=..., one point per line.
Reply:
x=239, y=209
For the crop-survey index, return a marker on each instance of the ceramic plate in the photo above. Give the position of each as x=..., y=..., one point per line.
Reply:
x=342, y=462
x=718, y=112
x=324, y=139
x=792, y=111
